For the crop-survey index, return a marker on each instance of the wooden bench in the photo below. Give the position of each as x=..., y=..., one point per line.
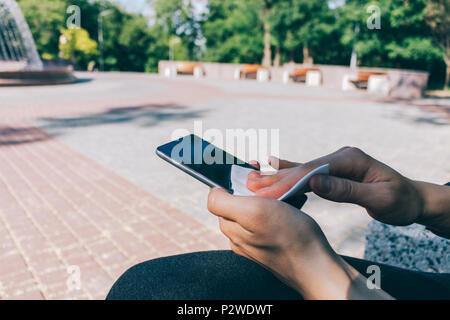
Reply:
x=299, y=74
x=250, y=71
x=362, y=79
x=187, y=68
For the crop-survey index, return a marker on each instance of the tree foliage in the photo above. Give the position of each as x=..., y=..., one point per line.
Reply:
x=403, y=41
x=233, y=31
x=302, y=27
x=130, y=43
x=178, y=18
x=77, y=45
x=437, y=16
x=45, y=19
x=414, y=34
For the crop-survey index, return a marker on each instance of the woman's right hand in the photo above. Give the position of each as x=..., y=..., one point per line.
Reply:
x=355, y=177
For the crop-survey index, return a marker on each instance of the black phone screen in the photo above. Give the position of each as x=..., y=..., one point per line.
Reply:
x=204, y=159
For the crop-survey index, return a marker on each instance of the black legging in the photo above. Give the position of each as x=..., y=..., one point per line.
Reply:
x=223, y=275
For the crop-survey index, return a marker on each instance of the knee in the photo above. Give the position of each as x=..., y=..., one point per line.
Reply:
x=187, y=276
x=129, y=284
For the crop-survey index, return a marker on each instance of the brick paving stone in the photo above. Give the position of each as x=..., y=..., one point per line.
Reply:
x=62, y=215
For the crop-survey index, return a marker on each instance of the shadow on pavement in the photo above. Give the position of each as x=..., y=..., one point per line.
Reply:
x=432, y=120
x=15, y=136
x=147, y=115
x=439, y=106
x=83, y=80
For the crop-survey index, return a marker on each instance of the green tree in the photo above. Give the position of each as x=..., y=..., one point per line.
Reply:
x=138, y=42
x=402, y=25
x=293, y=29
x=45, y=19
x=159, y=49
x=267, y=7
x=301, y=25
x=403, y=41
x=130, y=44
x=414, y=33
x=89, y=14
x=234, y=31
x=437, y=16
x=77, y=46
x=178, y=18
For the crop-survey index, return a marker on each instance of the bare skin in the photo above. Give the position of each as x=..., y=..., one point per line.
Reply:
x=290, y=243
x=357, y=178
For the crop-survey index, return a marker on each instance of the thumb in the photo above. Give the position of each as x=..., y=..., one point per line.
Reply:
x=342, y=190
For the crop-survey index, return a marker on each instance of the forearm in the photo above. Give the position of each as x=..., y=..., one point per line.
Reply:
x=436, y=213
x=329, y=277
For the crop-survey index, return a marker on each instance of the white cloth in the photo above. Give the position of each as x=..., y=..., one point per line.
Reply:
x=239, y=181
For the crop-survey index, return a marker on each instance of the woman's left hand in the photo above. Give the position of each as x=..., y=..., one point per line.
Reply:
x=274, y=234
x=290, y=244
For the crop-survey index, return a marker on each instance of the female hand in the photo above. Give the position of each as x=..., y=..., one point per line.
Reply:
x=355, y=177
x=289, y=243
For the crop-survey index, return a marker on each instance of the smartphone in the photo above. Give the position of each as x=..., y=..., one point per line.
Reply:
x=204, y=161
x=217, y=168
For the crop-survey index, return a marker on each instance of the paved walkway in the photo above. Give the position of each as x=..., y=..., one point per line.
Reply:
x=81, y=188
x=62, y=212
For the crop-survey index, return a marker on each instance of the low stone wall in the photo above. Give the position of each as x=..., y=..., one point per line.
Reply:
x=12, y=65
x=50, y=76
x=412, y=247
x=403, y=84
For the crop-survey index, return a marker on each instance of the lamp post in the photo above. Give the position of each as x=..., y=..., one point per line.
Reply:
x=354, y=58
x=172, y=43
x=100, y=35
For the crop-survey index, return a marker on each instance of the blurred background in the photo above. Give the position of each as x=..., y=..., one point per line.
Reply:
x=413, y=34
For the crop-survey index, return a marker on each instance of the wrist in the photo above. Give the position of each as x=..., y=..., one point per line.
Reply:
x=436, y=209
x=322, y=275
x=332, y=278
x=430, y=207
x=423, y=198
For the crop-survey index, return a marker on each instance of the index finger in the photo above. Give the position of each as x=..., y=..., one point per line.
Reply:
x=235, y=208
x=347, y=162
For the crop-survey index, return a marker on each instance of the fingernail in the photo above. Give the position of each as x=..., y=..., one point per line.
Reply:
x=323, y=184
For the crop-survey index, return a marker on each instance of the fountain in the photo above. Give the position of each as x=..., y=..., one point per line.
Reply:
x=20, y=63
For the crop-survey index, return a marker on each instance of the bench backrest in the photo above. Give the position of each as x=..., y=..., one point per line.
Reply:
x=364, y=75
x=187, y=67
x=251, y=68
x=301, y=72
